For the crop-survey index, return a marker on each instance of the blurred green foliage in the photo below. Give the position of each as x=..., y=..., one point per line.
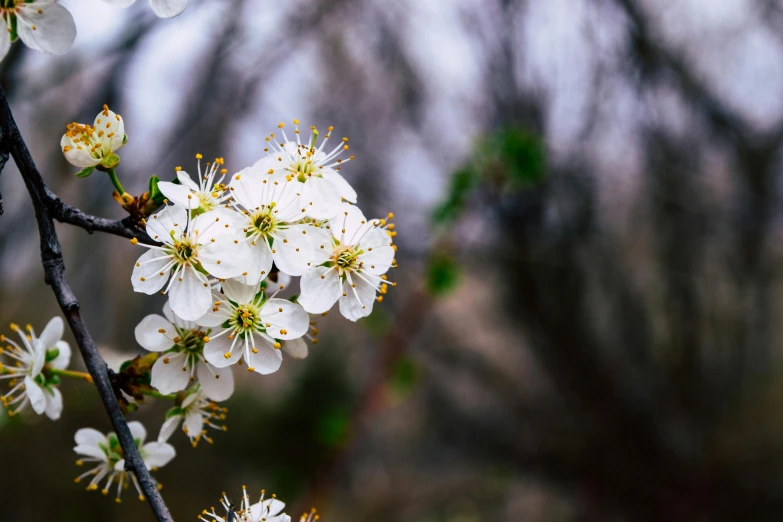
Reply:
x=509, y=160
x=442, y=274
x=404, y=377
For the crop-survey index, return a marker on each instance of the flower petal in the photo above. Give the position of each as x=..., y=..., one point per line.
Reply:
x=168, y=8
x=267, y=359
x=36, y=395
x=247, y=188
x=296, y=348
x=89, y=437
x=320, y=289
x=349, y=223
x=169, y=427
x=239, y=292
x=190, y=296
x=5, y=44
x=54, y=403
x=171, y=218
x=215, y=318
x=138, y=431
x=146, y=277
x=88, y=450
x=319, y=198
x=215, y=350
x=157, y=454
x=358, y=301
x=225, y=259
x=48, y=28
x=293, y=250
x=217, y=383
x=52, y=333
x=76, y=154
x=111, y=129
x=63, y=358
x=345, y=190
x=155, y=333
x=120, y=3
x=170, y=373
x=260, y=264
x=187, y=181
x=179, y=195
x=193, y=424
x=284, y=316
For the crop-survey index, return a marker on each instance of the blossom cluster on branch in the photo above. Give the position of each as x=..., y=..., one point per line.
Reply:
x=225, y=248
x=45, y=25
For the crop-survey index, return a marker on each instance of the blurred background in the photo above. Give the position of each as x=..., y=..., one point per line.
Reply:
x=586, y=325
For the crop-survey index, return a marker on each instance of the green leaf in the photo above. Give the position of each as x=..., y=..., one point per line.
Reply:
x=85, y=172
x=442, y=274
x=124, y=366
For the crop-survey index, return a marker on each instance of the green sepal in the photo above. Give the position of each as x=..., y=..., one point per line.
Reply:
x=52, y=354
x=111, y=161
x=173, y=412
x=294, y=298
x=85, y=172
x=13, y=28
x=124, y=139
x=156, y=195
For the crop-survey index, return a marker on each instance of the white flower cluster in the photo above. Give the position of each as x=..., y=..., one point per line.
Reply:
x=265, y=510
x=105, y=452
x=36, y=363
x=217, y=245
x=45, y=25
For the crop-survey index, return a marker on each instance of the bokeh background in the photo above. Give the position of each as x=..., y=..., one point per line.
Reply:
x=587, y=323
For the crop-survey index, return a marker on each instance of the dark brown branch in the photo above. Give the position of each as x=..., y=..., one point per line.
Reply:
x=65, y=213
x=47, y=207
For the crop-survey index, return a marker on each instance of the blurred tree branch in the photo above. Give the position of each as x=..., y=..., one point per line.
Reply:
x=44, y=202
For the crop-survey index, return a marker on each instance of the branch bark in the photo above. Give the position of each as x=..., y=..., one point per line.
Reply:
x=47, y=208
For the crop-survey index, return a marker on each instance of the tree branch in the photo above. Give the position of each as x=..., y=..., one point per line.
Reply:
x=47, y=207
x=64, y=213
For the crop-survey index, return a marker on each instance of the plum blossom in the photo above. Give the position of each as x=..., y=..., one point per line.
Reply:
x=273, y=222
x=321, y=187
x=43, y=25
x=193, y=249
x=180, y=344
x=195, y=414
x=265, y=510
x=352, y=266
x=248, y=323
x=88, y=146
x=31, y=380
x=208, y=194
x=162, y=8
x=105, y=451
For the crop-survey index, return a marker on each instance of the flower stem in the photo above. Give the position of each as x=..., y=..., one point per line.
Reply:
x=158, y=395
x=116, y=181
x=68, y=373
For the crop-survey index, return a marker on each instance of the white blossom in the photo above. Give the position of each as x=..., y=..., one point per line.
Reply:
x=265, y=510
x=105, y=451
x=352, y=267
x=246, y=322
x=196, y=413
x=193, y=248
x=180, y=344
x=90, y=145
x=31, y=384
x=208, y=194
x=162, y=8
x=273, y=222
x=43, y=25
x=321, y=187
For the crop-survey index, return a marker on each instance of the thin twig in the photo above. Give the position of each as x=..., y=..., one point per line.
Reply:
x=54, y=273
